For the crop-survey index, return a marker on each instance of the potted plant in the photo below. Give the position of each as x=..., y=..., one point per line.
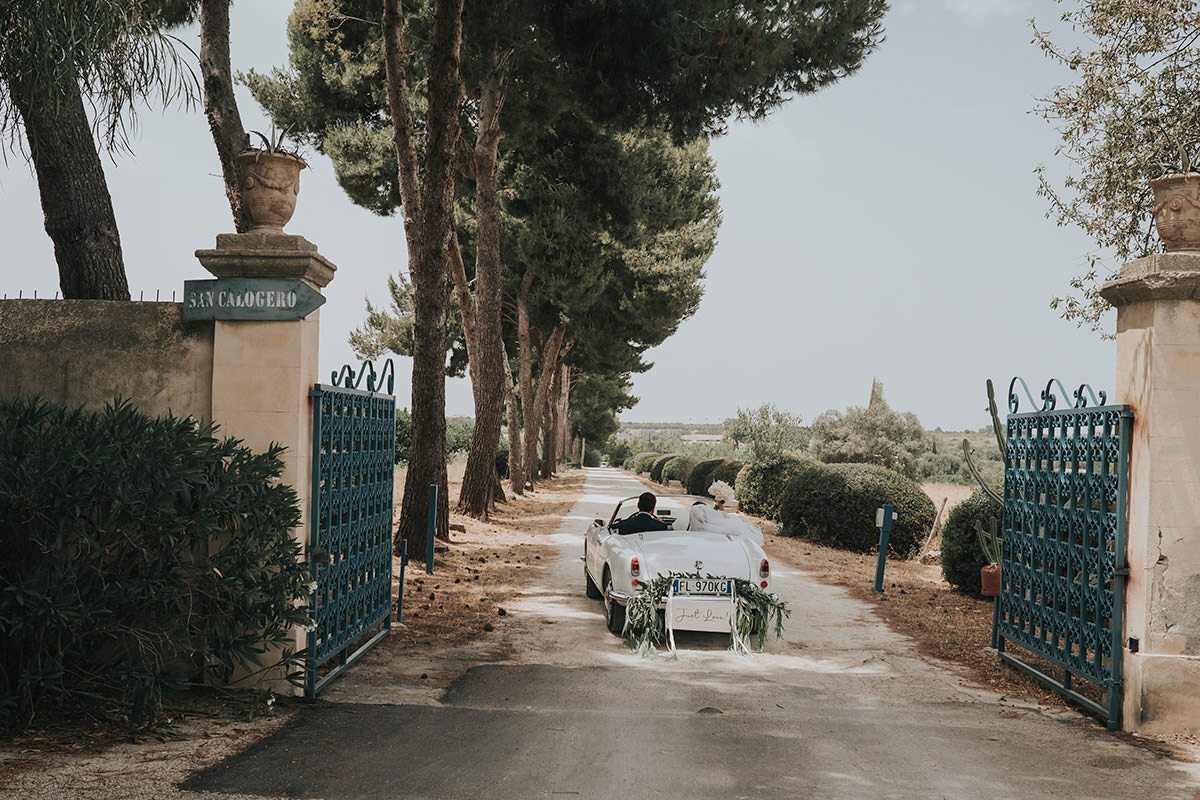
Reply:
x=989, y=543
x=1177, y=204
x=270, y=181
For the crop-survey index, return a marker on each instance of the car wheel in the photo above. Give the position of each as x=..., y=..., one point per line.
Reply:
x=593, y=591
x=614, y=612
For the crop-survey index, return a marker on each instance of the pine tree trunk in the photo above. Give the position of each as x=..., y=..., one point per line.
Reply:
x=75, y=199
x=220, y=105
x=516, y=468
x=488, y=370
x=548, y=359
x=525, y=379
x=550, y=440
x=428, y=199
x=564, y=410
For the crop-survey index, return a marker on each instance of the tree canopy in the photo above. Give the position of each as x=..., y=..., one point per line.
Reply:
x=872, y=435
x=561, y=71
x=53, y=54
x=766, y=432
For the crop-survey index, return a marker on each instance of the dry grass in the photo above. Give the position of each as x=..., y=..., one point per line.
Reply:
x=482, y=564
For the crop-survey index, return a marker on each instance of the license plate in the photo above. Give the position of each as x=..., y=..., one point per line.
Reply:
x=719, y=586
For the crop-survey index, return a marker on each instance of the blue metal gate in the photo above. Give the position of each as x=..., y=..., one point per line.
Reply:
x=350, y=541
x=1063, y=567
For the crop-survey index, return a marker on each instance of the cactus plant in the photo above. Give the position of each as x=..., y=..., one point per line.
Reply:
x=989, y=536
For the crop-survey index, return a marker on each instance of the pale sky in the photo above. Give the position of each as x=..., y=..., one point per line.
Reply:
x=885, y=228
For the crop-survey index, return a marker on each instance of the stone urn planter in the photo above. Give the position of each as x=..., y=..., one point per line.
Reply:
x=1177, y=211
x=270, y=184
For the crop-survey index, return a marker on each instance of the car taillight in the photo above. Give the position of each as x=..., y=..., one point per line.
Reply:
x=635, y=568
x=764, y=572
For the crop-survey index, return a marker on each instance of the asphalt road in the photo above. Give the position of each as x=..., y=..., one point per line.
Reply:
x=841, y=708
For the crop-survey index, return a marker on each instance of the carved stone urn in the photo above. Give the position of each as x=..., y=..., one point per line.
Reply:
x=270, y=184
x=1177, y=211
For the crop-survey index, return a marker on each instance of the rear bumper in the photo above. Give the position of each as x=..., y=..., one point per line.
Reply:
x=620, y=598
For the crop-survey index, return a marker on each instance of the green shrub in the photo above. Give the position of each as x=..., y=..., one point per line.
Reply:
x=642, y=462
x=139, y=555
x=591, y=458
x=502, y=457
x=962, y=557
x=727, y=472
x=403, y=435
x=835, y=504
x=698, y=480
x=657, y=468
x=678, y=469
x=759, y=485
x=458, y=435
x=617, y=451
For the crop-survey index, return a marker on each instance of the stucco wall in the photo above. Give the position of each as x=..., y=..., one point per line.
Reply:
x=86, y=352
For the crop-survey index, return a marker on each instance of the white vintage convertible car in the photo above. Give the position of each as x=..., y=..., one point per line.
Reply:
x=704, y=543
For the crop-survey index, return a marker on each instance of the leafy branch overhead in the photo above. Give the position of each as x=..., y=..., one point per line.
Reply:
x=1131, y=113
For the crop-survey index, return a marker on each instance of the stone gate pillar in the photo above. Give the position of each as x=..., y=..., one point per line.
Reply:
x=1158, y=374
x=263, y=370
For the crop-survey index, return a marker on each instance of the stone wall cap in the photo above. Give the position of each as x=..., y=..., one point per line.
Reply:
x=270, y=262
x=264, y=240
x=1136, y=286
x=1162, y=262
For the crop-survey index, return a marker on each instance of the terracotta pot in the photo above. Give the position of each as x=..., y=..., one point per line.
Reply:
x=1177, y=211
x=989, y=578
x=270, y=183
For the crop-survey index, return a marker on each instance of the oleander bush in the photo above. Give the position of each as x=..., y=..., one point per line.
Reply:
x=836, y=505
x=678, y=469
x=660, y=463
x=140, y=555
x=759, y=485
x=962, y=556
x=698, y=480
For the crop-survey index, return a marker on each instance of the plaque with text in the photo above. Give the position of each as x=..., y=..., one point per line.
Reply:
x=262, y=299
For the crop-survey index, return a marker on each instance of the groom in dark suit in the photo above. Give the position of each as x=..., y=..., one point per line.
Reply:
x=643, y=519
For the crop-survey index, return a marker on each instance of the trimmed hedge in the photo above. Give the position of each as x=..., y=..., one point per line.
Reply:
x=656, y=470
x=678, y=469
x=759, y=485
x=835, y=504
x=962, y=557
x=728, y=472
x=698, y=482
x=642, y=462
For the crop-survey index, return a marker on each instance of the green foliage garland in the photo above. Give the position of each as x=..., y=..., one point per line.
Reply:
x=755, y=610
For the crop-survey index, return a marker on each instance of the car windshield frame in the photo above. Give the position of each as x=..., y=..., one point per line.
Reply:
x=676, y=502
